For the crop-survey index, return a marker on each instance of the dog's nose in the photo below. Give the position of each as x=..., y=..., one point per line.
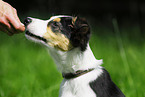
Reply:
x=27, y=21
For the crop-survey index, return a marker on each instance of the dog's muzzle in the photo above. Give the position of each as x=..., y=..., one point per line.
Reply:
x=27, y=21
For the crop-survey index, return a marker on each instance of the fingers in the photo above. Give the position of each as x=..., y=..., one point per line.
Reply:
x=6, y=26
x=15, y=21
x=9, y=20
x=4, y=21
x=3, y=28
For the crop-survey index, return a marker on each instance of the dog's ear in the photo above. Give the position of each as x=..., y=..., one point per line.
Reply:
x=80, y=33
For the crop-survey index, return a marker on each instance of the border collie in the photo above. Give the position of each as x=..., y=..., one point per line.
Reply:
x=67, y=39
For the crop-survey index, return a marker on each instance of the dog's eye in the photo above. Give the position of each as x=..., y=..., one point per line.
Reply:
x=55, y=26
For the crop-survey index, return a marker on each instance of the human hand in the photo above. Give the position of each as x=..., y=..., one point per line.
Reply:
x=9, y=20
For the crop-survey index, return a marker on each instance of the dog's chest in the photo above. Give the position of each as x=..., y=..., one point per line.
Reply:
x=79, y=87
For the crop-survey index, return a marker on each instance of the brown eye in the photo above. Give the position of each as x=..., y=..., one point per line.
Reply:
x=55, y=26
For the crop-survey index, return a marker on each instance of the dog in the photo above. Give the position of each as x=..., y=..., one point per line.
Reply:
x=67, y=39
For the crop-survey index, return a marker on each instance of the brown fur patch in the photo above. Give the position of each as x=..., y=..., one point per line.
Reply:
x=57, y=40
x=73, y=20
x=57, y=19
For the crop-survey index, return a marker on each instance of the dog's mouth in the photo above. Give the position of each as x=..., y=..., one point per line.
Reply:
x=35, y=36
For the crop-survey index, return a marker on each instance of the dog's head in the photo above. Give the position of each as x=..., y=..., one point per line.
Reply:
x=60, y=32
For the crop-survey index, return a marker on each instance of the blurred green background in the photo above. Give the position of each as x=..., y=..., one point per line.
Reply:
x=27, y=70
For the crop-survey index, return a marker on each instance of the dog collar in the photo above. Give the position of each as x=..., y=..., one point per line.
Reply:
x=77, y=74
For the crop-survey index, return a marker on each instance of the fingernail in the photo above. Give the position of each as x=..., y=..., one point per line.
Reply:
x=22, y=24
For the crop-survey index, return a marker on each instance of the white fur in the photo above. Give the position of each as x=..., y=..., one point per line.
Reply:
x=70, y=62
x=79, y=87
x=53, y=17
x=37, y=27
x=34, y=39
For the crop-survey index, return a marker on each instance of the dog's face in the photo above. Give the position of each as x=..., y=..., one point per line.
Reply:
x=60, y=32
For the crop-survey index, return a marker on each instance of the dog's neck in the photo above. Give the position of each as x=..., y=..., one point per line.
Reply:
x=74, y=60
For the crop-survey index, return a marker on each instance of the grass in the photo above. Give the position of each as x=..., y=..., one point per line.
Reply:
x=27, y=70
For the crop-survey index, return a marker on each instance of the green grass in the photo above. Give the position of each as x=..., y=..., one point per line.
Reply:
x=27, y=70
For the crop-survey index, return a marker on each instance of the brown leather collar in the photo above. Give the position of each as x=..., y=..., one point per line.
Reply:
x=77, y=74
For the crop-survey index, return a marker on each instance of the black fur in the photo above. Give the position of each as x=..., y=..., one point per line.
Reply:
x=62, y=26
x=35, y=36
x=77, y=31
x=66, y=28
x=80, y=34
x=104, y=87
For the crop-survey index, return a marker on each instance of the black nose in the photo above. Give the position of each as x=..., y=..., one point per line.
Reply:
x=27, y=21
